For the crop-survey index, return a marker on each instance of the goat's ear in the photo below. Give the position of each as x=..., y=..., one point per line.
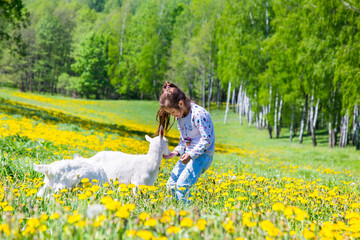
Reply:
x=161, y=132
x=148, y=138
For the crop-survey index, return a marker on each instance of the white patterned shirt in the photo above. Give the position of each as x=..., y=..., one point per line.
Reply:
x=197, y=134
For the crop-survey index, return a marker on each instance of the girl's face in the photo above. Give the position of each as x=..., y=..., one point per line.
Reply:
x=183, y=110
x=175, y=112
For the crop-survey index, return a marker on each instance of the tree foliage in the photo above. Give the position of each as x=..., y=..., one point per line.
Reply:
x=296, y=61
x=13, y=17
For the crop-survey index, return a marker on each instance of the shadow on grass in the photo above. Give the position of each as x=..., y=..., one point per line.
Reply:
x=56, y=117
x=322, y=137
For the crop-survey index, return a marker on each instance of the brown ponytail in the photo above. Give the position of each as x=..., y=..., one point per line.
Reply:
x=170, y=97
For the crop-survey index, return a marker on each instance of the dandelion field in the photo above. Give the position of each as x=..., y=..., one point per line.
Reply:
x=257, y=188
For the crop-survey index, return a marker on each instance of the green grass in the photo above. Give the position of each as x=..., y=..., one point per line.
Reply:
x=242, y=136
x=307, y=169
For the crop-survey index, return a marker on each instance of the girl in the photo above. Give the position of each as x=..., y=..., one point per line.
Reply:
x=197, y=139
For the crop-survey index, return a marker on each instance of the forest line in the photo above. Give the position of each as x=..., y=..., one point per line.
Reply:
x=291, y=64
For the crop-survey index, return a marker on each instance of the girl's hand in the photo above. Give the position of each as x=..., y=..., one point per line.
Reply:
x=172, y=154
x=185, y=159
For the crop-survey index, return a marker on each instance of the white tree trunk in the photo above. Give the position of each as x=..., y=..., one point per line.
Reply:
x=292, y=123
x=311, y=119
x=246, y=107
x=356, y=129
x=346, y=129
x=279, y=113
x=269, y=110
x=238, y=100
x=276, y=115
x=227, y=103
x=233, y=99
x=279, y=117
x=307, y=121
x=303, y=121
x=260, y=120
x=355, y=115
x=156, y=52
x=311, y=112
x=122, y=38
x=263, y=122
x=210, y=91
x=343, y=131
x=330, y=135
x=250, y=114
x=218, y=95
x=203, y=87
x=240, y=103
x=316, y=112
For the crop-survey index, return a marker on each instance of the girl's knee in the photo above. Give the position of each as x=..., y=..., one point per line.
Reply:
x=171, y=183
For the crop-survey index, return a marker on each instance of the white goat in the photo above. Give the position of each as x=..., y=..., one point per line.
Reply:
x=127, y=168
x=67, y=173
x=135, y=169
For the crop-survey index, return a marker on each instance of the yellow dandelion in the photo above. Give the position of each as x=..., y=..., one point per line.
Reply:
x=186, y=222
x=288, y=211
x=8, y=208
x=278, y=207
x=143, y=216
x=123, y=213
x=74, y=218
x=308, y=234
x=229, y=226
x=85, y=180
x=82, y=196
x=130, y=233
x=42, y=228
x=54, y=216
x=173, y=230
x=144, y=234
x=5, y=228
x=129, y=206
x=94, y=188
x=44, y=217
x=81, y=224
x=151, y=222
x=201, y=224
x=183, y=213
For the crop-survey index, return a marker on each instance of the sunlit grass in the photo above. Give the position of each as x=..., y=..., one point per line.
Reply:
x=256, y=187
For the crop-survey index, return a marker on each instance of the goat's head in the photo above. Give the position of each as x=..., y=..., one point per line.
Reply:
x=43, y=168
x=159, y=142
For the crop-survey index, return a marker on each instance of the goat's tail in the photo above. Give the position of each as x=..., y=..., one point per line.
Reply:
x=78, y=157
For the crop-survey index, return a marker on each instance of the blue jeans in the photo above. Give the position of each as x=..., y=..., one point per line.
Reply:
x=184, y=176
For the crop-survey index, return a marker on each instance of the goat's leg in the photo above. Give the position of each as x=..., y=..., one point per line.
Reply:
x=41, y=191
x=135, y=189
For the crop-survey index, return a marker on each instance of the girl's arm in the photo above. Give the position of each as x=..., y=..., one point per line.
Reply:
x=180, y=148
x=204, y=124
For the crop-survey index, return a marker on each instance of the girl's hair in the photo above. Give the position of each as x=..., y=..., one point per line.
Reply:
x=170, y=97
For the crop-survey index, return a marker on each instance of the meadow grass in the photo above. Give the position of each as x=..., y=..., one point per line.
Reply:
x=257, y=187
x=242, y=136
